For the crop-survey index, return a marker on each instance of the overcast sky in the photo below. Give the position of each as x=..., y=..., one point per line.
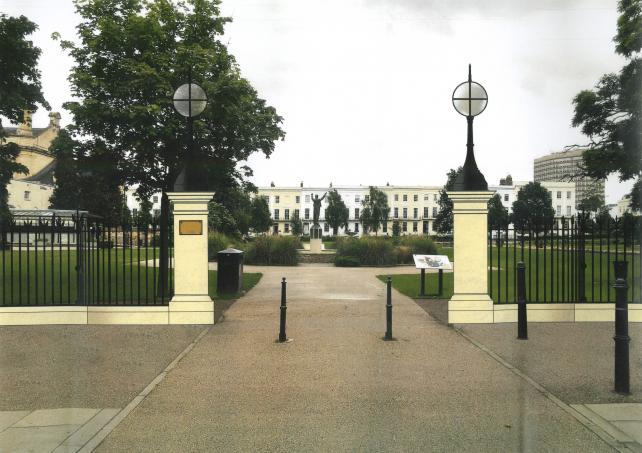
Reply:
x=365, y=86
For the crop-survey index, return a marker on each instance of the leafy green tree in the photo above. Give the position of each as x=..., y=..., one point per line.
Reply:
x=603, y=218
x=444, y=219
x=396, y=228
x=507, y=181
x=375, y=210
x=611, y=114
x=87, y=178
x=20, y=88
x=337, y=213
x=296, y=225
x=230, y=212
x=130, y=56
x=144, y=217
x=261, y=220
x=497, y=213
x=593, y=200
x=533, y=209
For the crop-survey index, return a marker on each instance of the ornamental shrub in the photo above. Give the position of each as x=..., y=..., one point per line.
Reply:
x=216, y=242
x=273, y=251
x=420, y=245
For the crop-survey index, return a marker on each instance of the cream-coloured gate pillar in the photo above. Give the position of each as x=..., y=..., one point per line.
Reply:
x=470, y=302
x=191, y=303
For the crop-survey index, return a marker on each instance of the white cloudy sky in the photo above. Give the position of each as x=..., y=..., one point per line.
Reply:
x=364, y=86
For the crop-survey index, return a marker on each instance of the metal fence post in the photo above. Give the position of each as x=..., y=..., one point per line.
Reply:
x=522, y=321
x=440, y=290
x=621, y=337
x=80, y=264
x=388, y=335
x=282, y=336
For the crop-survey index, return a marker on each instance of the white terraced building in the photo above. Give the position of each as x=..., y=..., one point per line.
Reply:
x=414, y=207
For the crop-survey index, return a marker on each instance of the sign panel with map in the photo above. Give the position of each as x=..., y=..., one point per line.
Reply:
x=432, y=262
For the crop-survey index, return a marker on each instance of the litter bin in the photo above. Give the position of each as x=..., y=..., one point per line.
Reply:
x=230, y=271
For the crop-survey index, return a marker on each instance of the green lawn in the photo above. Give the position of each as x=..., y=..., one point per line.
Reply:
x=598, y=276
x=249, y=281
x=408, y=284
x=123, y=279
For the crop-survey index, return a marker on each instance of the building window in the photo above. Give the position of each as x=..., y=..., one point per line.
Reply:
x=559, y=210
x=156, y=212
x=414, y=227
x=356, y=213
x=425, y=227
x=568, y=195
x=155, y=199
x=396, y=211
x=568, y=210
x=434, y=197
x=405, y=197
x=506, y=197
x=415, y=213
x=434, y=212
x=559, y=194
x=297, y=199
x=356, y=227
x=134, y=212
x=296, y=213
x=405, y=213
x=276, y=214
x=425, y=212
x=367, y=198
x=396, y=197
x=287, y=227
x=286, y=215
x=357, y=199
x=27, y=195
x=276, y=199
x=385, y=227
x=325, y=213
x=415, y=197
x=425, y=197
x=326, y=227
x=307, y=198
x=404, y=226
x=307, y=213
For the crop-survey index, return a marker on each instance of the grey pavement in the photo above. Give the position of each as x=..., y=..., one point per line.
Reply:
x=338, y=387
x=51, y=367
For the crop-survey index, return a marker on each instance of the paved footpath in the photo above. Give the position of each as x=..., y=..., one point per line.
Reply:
x=338, y=387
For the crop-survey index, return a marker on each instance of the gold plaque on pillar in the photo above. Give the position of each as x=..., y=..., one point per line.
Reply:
x=190, y=227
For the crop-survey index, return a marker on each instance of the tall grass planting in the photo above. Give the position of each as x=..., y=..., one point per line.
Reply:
x=273, y=251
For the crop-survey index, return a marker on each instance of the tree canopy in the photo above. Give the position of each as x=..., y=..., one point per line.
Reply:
x=130, y=57
x=497, y=213
x=533, y=209
x=610, y=114
x=375, y=210
x=261, y=219
x=336, y=214
x=20, y=89
x=444, y=219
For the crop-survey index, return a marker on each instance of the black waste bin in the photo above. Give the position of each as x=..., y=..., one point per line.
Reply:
x=230, y=271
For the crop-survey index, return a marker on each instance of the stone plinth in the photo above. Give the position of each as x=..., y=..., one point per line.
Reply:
x=191, y=303
x=470, y=302
x=316, y=243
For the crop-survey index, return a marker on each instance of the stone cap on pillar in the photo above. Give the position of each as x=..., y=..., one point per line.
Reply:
x=470, y=202
x=190, y=202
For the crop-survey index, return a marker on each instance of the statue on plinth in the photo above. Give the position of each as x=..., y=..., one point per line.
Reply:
x=316, y=201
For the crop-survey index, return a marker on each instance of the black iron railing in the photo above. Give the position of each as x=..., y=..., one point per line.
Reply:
x=80, y=260
x=570, y=260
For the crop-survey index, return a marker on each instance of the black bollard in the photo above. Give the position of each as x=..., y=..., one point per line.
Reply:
x=388, y=335
x=522, y=321
x=621, y=337
x=282, y=336
x=440, y=290
x=422, y=286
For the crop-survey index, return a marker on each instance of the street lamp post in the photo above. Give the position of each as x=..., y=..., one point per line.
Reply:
x=190, y=101
x=470, y=99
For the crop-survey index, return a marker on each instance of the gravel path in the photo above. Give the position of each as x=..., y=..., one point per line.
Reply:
x=338, y=386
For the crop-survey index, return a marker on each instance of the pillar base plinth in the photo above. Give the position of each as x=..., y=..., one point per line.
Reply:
x=470, y=309
x=191, y=309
